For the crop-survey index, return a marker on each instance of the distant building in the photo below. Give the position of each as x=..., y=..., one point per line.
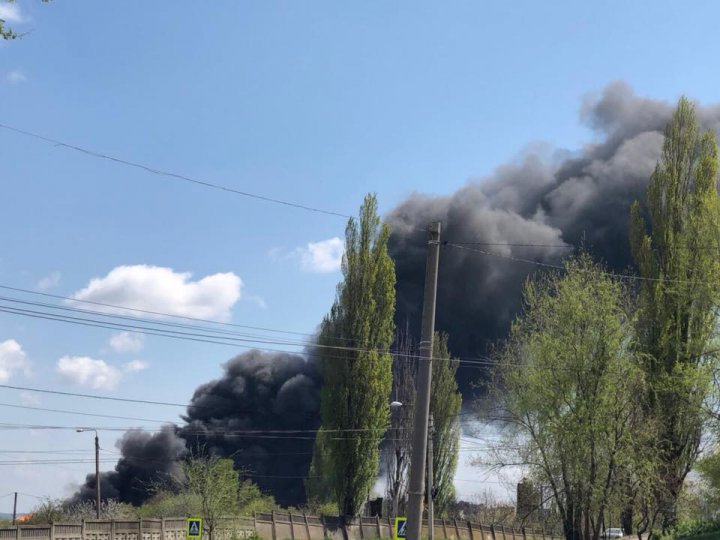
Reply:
x=529, y=499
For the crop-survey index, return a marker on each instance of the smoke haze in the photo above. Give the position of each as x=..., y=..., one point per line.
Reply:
x=576, y=199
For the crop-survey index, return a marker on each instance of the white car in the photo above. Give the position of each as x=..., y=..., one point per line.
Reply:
x=613, y=533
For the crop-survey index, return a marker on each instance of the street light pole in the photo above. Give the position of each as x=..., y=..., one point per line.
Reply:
x=394, y=412
x=97, y=469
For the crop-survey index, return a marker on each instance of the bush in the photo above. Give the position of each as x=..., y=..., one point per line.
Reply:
x=693, y=527
x=168, y=504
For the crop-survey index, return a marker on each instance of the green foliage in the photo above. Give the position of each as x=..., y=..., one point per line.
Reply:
x=251, y=499
x=214, y=483
x=568, y=384
x=709, y=469
x=694, y=528
x=445, y=403
x=47, y=511
x=253, y=536
x=169, y=504
x=357, y=382
x=211, y=488
x=109, y=509
x=318, y=484
x=677, y=322
x=56, y=510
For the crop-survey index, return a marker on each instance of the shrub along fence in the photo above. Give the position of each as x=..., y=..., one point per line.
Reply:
x=269, y=526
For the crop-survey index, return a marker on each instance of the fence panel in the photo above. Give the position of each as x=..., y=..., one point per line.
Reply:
x=269, y=526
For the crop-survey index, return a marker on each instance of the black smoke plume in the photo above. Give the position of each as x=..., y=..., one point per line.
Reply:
x=148, y=461
x=561, y=200
x=260, y=392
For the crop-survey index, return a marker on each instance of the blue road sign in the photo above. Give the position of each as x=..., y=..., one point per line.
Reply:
x=400, y=531
x=194, y=528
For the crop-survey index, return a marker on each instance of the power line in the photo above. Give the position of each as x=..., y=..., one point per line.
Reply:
x=95, y=396
x=33, y=496
x=206, y=338
x=509, y=244
x=241, y=434
x=173, y=175
x=97, y=415
x=148, y=312
x=559, y=267
x=156, y=322
x=76, y=451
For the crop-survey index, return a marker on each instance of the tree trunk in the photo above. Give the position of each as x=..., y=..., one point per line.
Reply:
x=626, y=519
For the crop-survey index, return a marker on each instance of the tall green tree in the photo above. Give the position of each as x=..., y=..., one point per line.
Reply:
x=445, y=403
x=567, y=386
x=355, y=339
x=677, y=252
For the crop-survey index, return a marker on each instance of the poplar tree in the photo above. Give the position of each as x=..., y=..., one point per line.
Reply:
x=355, y=339
x=676, y=249
x=445, y=403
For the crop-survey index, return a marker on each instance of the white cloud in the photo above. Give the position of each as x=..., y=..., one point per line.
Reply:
x=86, y=371
x=12, y=360
x=159, y=289
x=127, y=342
x=322, y=257
x=49, y=281
x=98, y=374
x=135, y=365
x=16, y=77
x=10, y=12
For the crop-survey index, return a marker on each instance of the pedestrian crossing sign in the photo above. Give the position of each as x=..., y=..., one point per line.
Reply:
x=400, y=531
x=194, y=528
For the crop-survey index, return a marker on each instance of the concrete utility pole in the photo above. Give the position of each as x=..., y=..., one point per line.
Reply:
x=15, y=510
x=97, y=475
x=422, y=409
x=97, y=469
x=430, y=479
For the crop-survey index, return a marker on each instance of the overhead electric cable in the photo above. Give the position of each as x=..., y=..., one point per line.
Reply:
x=96, y=415
x=630, y=277
x=173, y=175
x=95, y=396
x=149, y=312
x=217, y=340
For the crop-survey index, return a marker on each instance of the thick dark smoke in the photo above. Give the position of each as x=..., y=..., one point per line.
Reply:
x=260, y=392
x=580, y=199
x=563, y=200
x=148, y=460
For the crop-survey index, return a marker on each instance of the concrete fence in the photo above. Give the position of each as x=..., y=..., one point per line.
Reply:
x=269, y=526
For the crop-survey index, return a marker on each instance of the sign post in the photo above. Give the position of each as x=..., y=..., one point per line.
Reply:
x=400, y=530
x=194, y=528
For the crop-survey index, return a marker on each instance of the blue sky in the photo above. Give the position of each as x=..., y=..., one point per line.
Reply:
x=314, y=102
